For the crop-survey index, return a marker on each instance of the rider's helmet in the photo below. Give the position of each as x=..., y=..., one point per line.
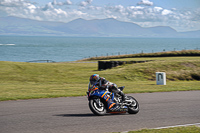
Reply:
x=94, y=78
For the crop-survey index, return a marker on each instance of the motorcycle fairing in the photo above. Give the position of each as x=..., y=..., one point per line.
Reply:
x=106, y=95
x=93, y=90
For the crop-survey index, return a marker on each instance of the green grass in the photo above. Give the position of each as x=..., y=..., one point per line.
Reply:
x=158, y=54
x=188, y=129
x=20, y=80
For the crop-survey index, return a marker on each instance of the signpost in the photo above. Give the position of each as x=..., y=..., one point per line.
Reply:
x=160, y=78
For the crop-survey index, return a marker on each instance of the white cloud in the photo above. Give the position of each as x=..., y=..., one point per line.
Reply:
x=52, y=11
x=66, y=11
x=166, y=12
x=67, y=2
x=48, y=6
x=95, y=8
x=85, y=3
x=135, y=8
x=145, y=2
x=158, y=9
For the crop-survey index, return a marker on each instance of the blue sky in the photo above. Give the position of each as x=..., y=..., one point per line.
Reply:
x=182, y=15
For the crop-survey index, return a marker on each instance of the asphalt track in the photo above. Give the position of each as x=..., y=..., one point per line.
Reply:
x=72, y=114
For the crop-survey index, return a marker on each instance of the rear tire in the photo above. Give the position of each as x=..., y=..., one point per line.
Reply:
x=97, y=107
x=134, y=107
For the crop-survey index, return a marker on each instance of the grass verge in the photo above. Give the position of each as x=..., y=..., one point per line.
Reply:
x=187, y=129
x=20, y=80
x=158, y=54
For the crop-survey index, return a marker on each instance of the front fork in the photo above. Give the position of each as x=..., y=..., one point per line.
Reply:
x=99, y=104
x=129, y=102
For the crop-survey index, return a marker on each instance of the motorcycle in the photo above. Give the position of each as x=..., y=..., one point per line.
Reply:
x=101, y=101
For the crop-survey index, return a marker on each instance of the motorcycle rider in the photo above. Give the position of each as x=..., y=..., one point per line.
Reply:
x=102, y=83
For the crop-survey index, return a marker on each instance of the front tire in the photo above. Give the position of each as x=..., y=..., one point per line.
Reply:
x=134, y=107
x=97, y=107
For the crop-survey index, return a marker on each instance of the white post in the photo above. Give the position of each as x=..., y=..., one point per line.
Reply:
x=160, y=78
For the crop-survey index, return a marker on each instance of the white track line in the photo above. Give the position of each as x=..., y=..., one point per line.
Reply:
x=197, y=124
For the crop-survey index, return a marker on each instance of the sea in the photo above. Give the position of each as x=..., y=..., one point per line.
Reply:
x=65, y=49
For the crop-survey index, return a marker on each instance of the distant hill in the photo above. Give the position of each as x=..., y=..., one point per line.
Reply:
x=86, y=28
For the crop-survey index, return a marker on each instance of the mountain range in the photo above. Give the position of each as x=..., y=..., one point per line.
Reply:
x=86, y=28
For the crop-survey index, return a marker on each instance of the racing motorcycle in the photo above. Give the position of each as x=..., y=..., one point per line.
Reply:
x=101, y=100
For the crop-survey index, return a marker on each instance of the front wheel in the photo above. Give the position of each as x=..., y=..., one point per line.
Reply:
x=97, y=107
x=133, y=108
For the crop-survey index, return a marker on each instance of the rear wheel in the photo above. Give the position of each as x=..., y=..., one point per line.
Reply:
x=133, y=108
x=96, y=106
